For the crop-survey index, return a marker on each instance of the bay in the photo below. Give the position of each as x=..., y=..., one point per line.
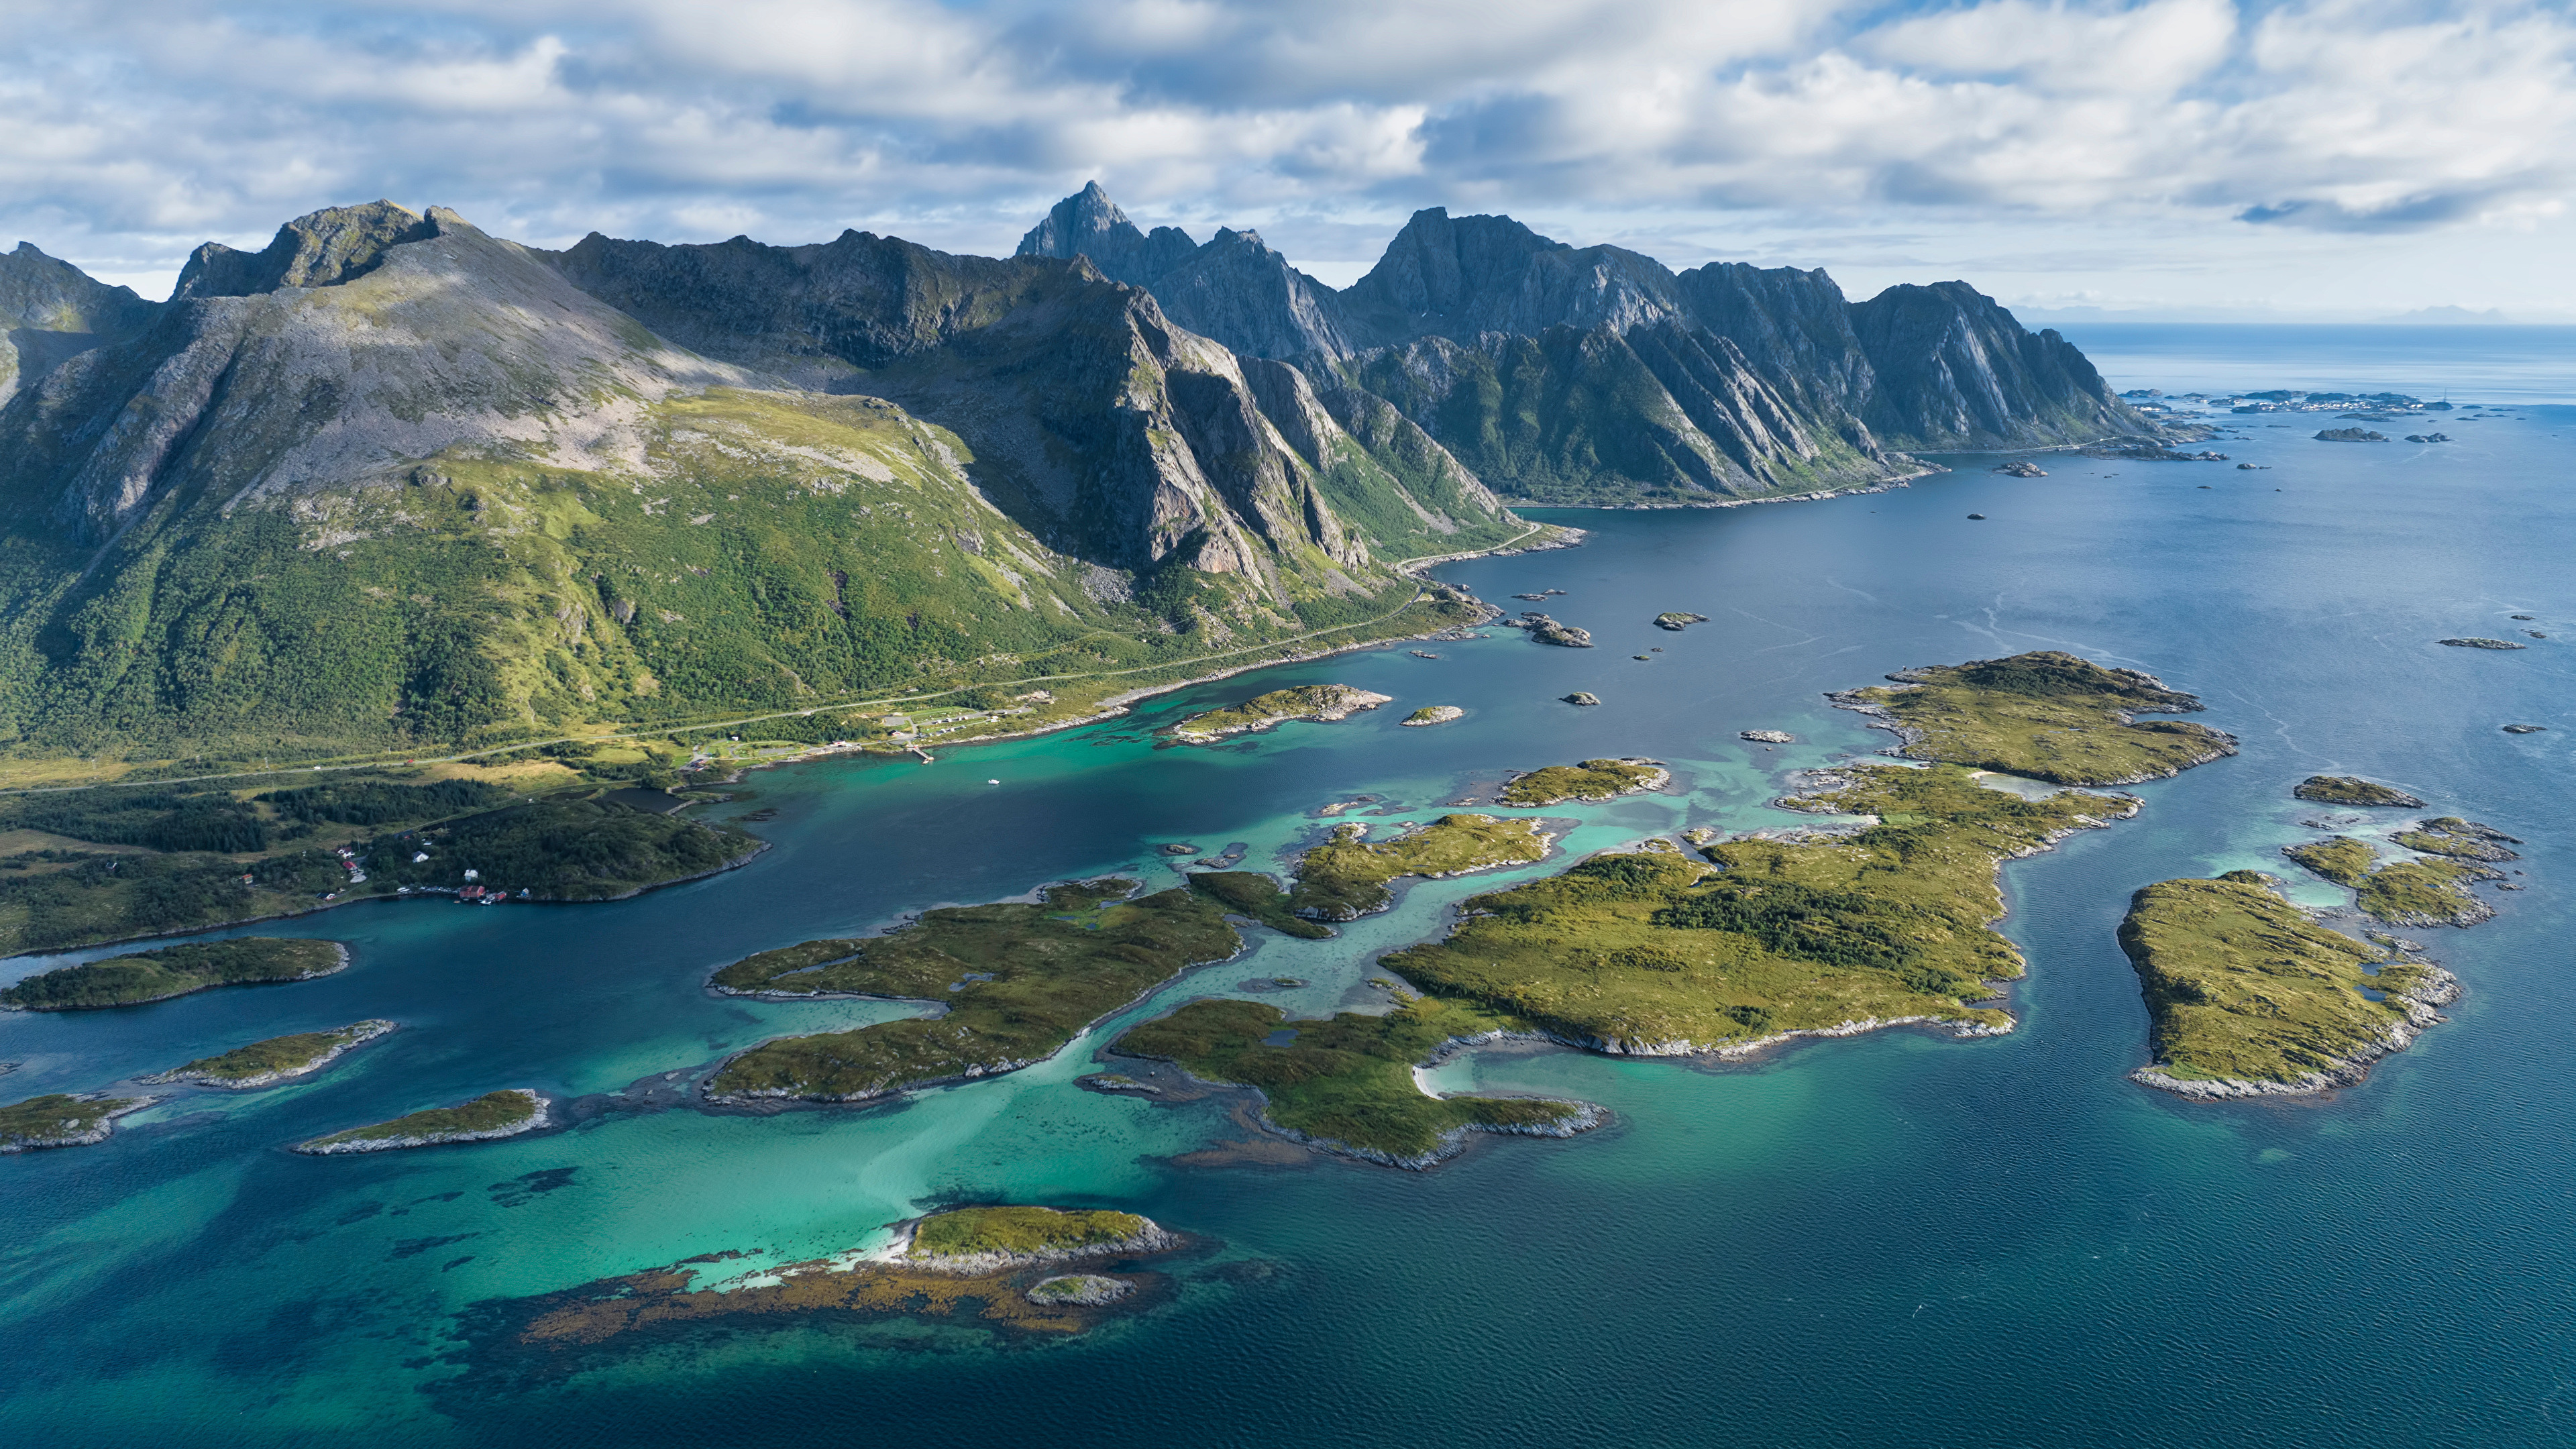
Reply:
x=1893, y=1237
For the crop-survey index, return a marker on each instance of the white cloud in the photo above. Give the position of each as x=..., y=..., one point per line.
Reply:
x=139, y=128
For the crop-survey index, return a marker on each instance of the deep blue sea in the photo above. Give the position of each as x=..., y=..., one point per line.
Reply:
x=1897, y=1238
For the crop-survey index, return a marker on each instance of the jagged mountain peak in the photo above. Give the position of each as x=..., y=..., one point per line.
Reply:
x=320, y=249
x=1089, y=224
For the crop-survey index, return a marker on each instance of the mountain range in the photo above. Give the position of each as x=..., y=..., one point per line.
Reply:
x=391, y=480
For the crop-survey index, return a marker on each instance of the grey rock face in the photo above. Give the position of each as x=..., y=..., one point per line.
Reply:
x=1241, y=293
x=329, y=247
x=411, y=348
x=52, y=311
x=1728, y=379
x=1954, y=370
x=1089, y=224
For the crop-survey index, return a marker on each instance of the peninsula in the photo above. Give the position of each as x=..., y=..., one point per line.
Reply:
x=191, y=860
x=1321, y=702
x=158, y=975
x=2247, y=996
x=278, y=1059
x=2045, y=715
x=61, y=1120
x=505, y=1113
x=1015, y=981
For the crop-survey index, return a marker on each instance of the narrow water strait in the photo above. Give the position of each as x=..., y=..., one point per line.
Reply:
x=1896, y=1237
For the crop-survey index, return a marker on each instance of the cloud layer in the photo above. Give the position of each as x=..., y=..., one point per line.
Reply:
x=137, y=128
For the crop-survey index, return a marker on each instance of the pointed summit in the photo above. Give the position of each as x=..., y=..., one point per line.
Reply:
x=1089, y=224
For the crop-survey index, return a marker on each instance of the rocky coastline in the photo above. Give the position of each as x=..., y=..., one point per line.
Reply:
x=2439, y=988
x=77, y=1130
x=1152, y=1237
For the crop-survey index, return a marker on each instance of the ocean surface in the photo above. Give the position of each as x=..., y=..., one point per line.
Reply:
x=1896, y=1238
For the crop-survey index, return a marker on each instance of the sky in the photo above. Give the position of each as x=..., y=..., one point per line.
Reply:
x=2165, y=159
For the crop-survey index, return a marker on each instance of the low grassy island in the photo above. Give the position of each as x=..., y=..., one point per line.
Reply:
x=984, y=1267
x=990, y=1239
x=58, y=1120
x=1656, y=952
x=505, y=1113
x=2480, y=642
x=1322, y=702
x=278, y=1059
x=2247, y=996
x=1347, y=1084
x=2460, y=839
x=158, y=975
x=2353, y=790
x=1017, y=979
x=1432, y=714
x=1677, y=621
x=2402, y=892
x=2047, y=715
x=1591, y=781
x=1346, y=877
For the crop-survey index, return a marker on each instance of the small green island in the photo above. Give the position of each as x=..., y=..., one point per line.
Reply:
x=996, y=1268
x=2353, y=790
x=505, y=1113
x=1432, y=714
x=2046, y=715
x=278, y=1059
x=2402, y=892
x=2460, y=839
x=1677, y=620
x=1322, y=702
x=61, y=1120
x=1591, y=780
x=984, y=1239
x=1346, y=877
x=1018, y=980
x=2248, y=996
x=169, y=971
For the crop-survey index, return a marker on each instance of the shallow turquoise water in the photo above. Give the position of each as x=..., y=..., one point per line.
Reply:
x=1861, y=1241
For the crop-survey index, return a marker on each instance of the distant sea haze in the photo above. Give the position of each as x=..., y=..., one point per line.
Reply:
x=2466, y=364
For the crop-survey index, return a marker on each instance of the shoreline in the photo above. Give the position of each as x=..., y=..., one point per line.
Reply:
x=336, y=967
x=386, y=897
x=105, y=1129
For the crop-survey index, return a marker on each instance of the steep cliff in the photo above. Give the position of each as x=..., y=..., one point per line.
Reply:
x=1723, y=381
